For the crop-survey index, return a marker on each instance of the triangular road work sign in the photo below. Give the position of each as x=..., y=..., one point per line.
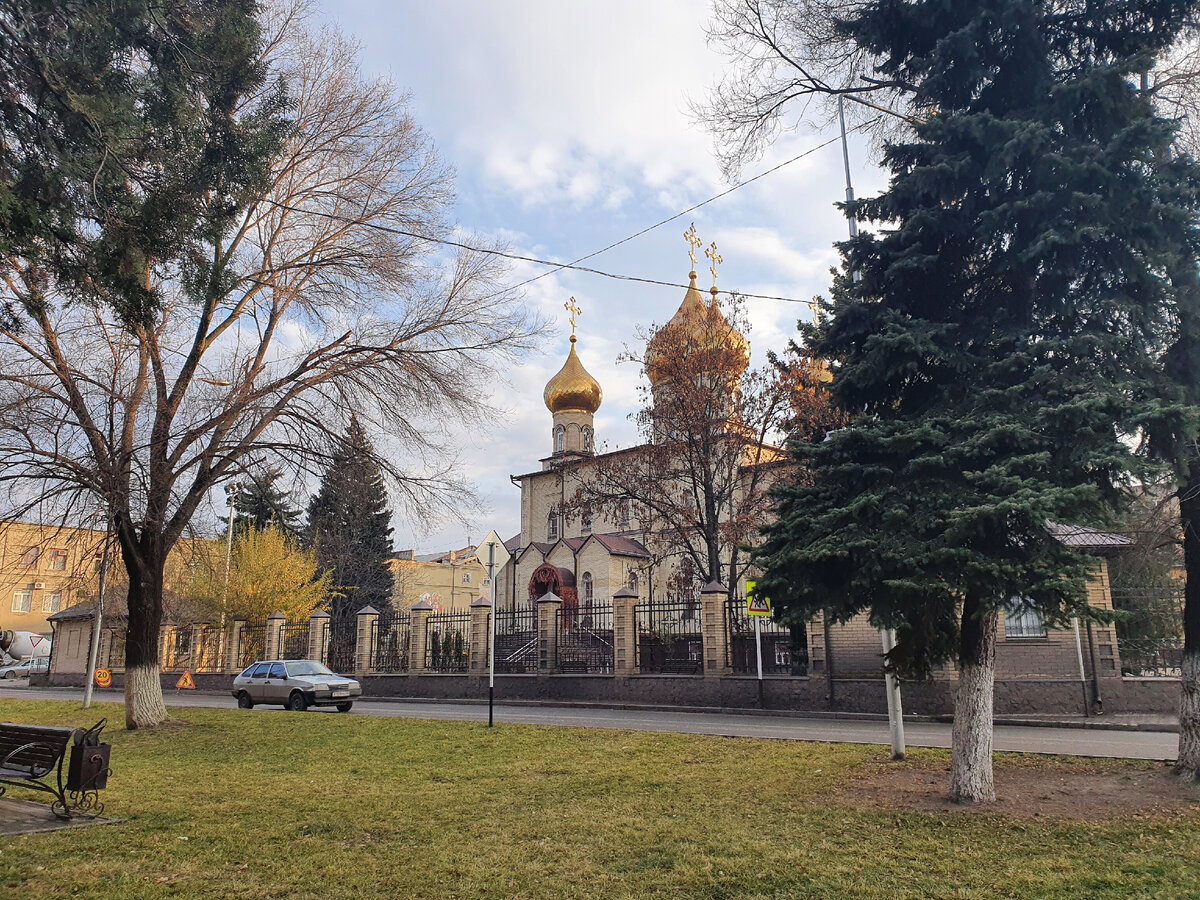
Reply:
x=185, y=682
x=756, y=605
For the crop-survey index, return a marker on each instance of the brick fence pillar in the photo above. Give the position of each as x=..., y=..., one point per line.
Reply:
x=365, y=621
x=548, y=606
x=274, y=641
x=624, y=631
x=477, y=655
x=713, y=631
x=233, y=650
x=419, y=618
x=318, y=628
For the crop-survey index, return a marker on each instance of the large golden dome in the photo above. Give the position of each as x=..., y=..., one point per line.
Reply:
x=700, y=323
x=572, y=388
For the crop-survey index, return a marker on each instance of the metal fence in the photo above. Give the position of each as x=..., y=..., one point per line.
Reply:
x=1166, y=663
x=177, y=653
x=1150, y=634
x=209, y=646
x=447, y=640
x=516, y=639
x=784, y=649
x=668, y=637
x=391, y=642
x=585, y=638
x=252, y=644
x=293, y=641
x=341, y=645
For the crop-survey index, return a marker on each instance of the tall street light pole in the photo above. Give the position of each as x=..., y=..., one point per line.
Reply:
x=231, y=495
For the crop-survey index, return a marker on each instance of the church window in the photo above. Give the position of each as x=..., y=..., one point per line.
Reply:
x=587, y=439
x=585, y=522
x=633, y=581
x=623, y=513
x=552, y=526
x=560, y=437
x=586, y=578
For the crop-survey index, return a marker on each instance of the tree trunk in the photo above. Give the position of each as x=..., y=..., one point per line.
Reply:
x=971, y=778
x=144, y=707
x=1188, y=761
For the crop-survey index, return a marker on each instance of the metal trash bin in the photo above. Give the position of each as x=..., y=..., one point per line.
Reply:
x=88, y=769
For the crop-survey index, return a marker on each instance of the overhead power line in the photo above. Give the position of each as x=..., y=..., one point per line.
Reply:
x=556, y=266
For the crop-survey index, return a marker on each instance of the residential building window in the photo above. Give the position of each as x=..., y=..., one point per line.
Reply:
x=552, y=526
x=23, y=600
x=29, y=558
x=51, y=601
x=587, y=588
x=466, y=578
x=1022, y=620
x=58, y=561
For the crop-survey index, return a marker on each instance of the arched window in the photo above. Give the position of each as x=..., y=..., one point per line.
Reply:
x=586, y=578
x=585, y=522
x=587, y=439
x=560, y=438
x=552, y=525
x=633, y=581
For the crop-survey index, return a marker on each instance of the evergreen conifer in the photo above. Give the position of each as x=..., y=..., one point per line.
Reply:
x=349, y=525
x=996, y=337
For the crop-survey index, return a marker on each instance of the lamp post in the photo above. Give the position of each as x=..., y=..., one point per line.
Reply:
x=231, y=495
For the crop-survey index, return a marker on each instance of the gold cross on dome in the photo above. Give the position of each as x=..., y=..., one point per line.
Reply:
x=573, y=308
x=716, y=258
x=813, y=306
x=694, y=240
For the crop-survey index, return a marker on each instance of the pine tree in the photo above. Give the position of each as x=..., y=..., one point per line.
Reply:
x=1001, y=331
x=349, y=527
x=261, y=505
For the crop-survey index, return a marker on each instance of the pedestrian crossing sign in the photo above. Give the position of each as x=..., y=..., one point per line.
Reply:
x=756, y=605
x=185, y=682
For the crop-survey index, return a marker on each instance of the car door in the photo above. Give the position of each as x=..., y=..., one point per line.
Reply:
x=256, y=684
x=277, y=684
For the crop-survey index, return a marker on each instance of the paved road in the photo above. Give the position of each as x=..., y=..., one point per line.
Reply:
x=1066, y=741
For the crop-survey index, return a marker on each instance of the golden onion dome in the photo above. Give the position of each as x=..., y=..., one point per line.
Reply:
x=572, y=388
x=699, y=321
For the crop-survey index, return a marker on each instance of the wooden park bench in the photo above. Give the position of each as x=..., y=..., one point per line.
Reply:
x=32, y=756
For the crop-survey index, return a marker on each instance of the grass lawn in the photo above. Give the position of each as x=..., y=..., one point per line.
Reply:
x=262, y=803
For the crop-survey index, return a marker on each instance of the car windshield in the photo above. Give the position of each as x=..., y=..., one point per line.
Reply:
x=307, y=667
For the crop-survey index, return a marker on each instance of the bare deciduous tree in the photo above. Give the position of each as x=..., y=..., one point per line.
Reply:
x=328, y=295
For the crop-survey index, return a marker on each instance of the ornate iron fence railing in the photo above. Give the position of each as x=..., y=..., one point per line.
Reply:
x=293, y=641
x=784, y=649
x=447, y=640
x=669, y=640
x=585, y=638
x=177, y=651
x=340, y=642
x=209, y=646
x=252, y=644
x=391, y=642
x=517, y=640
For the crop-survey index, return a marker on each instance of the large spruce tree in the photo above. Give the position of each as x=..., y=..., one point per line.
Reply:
x=349, y=524
x=1001, y=333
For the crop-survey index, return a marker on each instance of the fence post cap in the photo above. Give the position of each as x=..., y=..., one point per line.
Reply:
x=320, y=614
x=482, y=601
x=275, y=616
x=549, y=597
x=421, y=605
x=626, y=591
x=714, y=587
x=367, y=611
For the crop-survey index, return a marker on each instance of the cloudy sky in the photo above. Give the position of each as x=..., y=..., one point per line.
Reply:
x=568, y=125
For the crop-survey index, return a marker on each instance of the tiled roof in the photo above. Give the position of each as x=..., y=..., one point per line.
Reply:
x=622, y=546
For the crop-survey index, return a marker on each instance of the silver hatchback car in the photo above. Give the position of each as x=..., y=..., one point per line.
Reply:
x=295, y=684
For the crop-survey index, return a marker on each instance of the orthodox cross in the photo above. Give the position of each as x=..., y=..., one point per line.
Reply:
x=717, y=259
x=693, y=239
x=573, y=308
x=813, y=307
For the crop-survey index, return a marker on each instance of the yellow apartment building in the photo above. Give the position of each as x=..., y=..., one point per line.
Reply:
x=450, y=581
x=45, y=569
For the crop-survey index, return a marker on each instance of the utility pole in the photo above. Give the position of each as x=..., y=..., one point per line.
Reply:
x=98, y=614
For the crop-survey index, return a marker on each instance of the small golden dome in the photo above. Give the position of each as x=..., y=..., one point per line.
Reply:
x=699, y=321
x=572, y=388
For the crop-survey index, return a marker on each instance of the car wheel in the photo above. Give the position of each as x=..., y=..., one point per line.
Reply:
x=9, y=675
x=244, y=701
x=345, y=707
x=296, y=702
